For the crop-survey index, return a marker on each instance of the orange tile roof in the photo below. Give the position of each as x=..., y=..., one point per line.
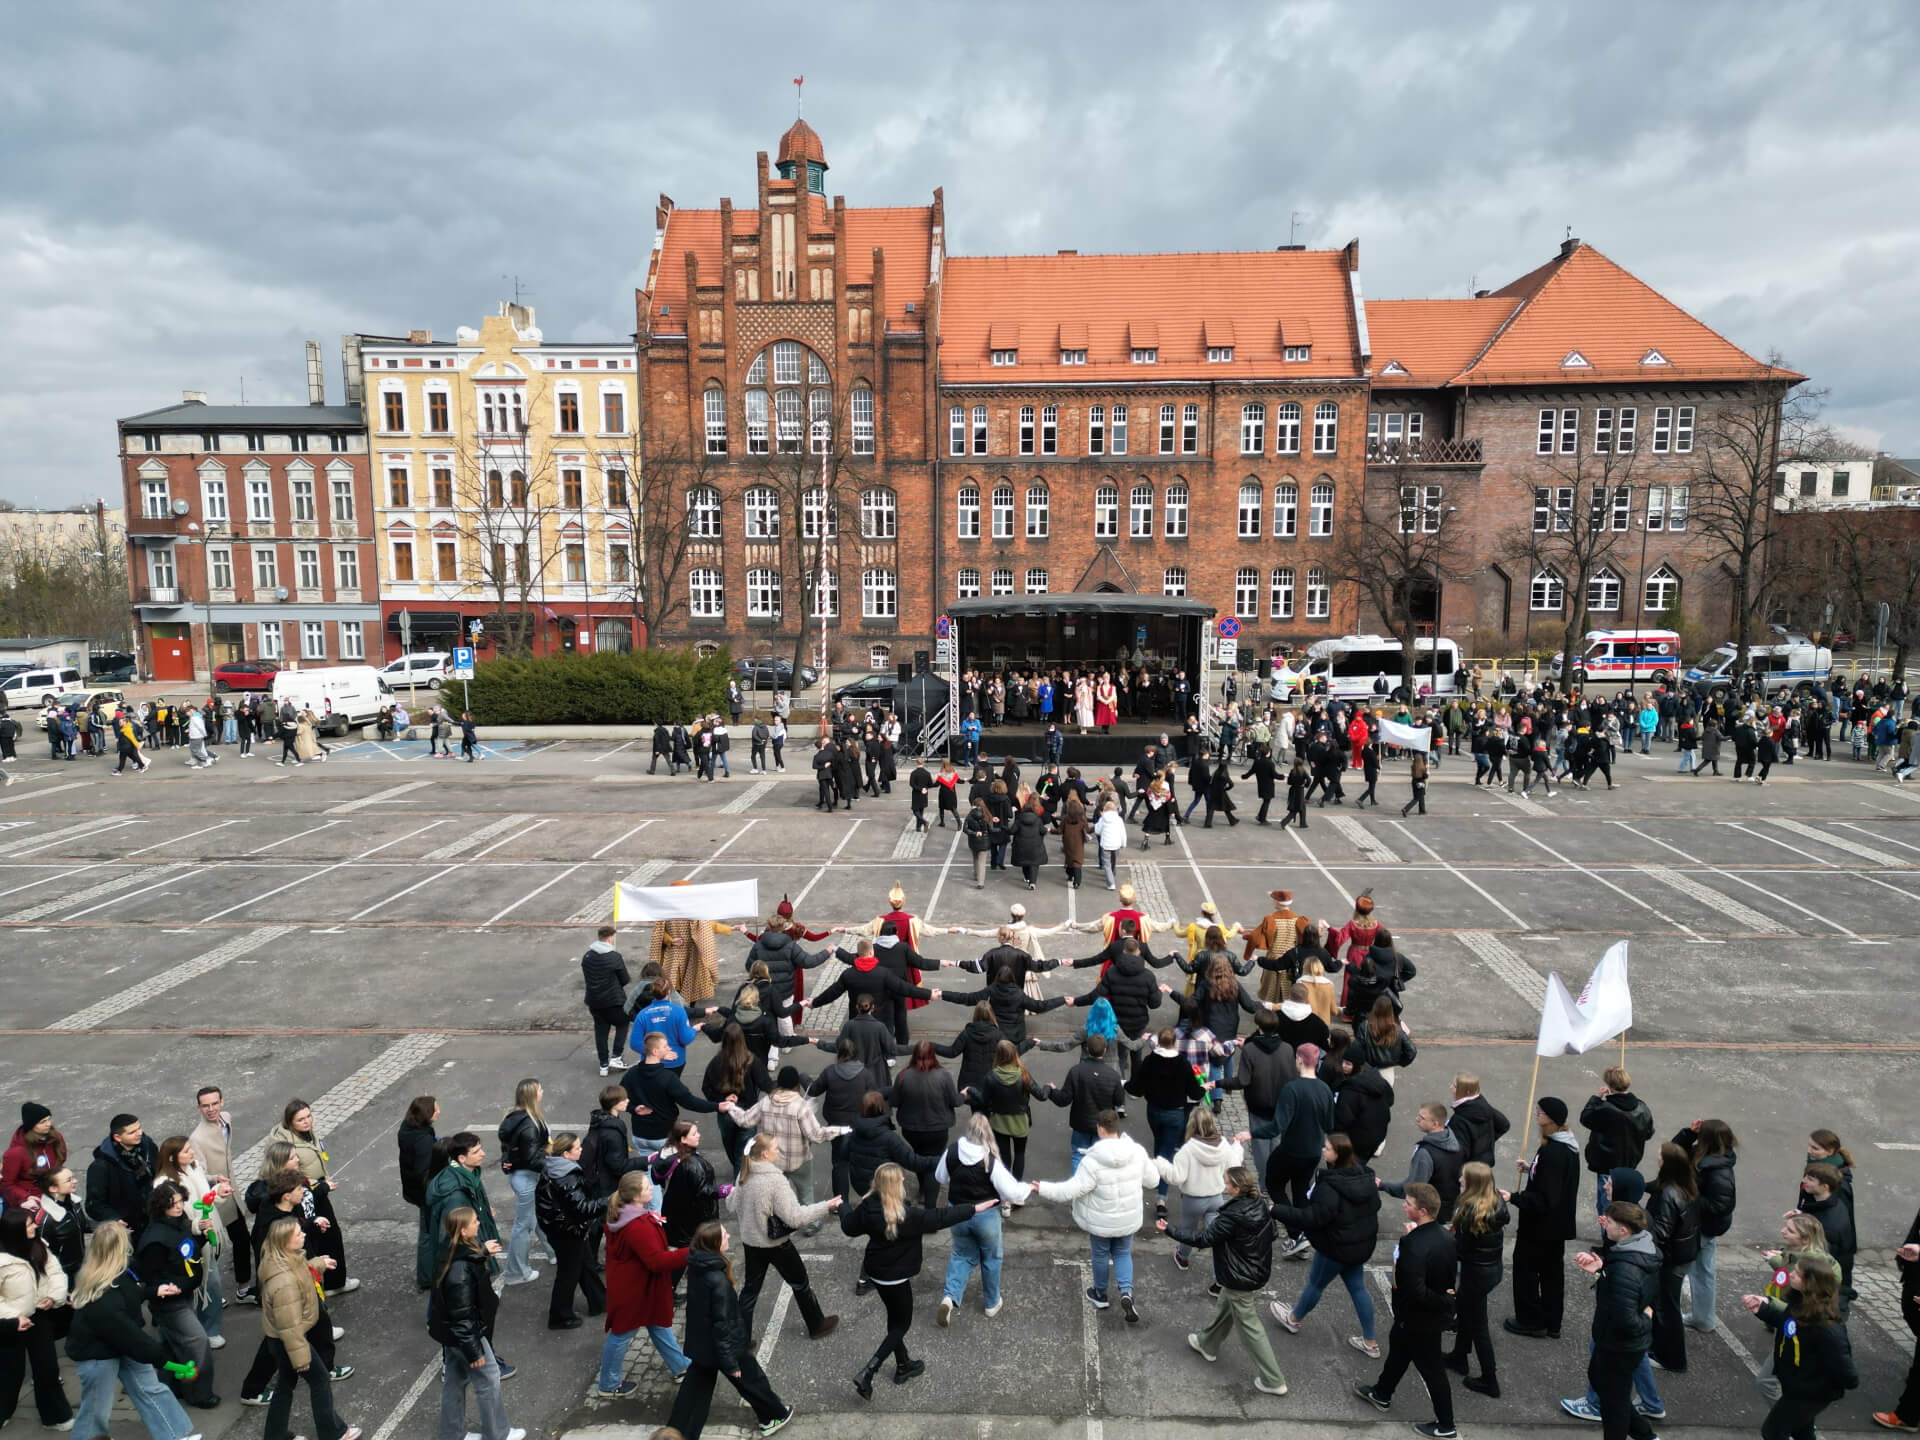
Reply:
x=1108, y=297
x=802, y=143
x=905, y=234
x=1431, y=341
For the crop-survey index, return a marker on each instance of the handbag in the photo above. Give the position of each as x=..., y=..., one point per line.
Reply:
x=778, y=1229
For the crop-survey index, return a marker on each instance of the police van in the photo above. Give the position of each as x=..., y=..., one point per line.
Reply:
x=1797, y=664
x=1350, y=667
x=1629, y=655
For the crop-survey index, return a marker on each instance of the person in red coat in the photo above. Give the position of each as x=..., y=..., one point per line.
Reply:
x=640, y=1270
x=1357, y=736
x=37, y=1149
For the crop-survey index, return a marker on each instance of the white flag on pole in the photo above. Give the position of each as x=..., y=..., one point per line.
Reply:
x=1407, y=737
x=1604, y=1009
x=725, y=900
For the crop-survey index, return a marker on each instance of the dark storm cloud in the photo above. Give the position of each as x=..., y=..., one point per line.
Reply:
x=185, y=196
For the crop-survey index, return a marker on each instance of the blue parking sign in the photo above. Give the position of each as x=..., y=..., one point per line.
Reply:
x=462, y=668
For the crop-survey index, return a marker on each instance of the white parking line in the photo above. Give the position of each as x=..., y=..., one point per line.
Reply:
x=1520, y=977
x=1460, y=875
x=635, y=831
x=531, y=893
x=50, y=790
x=57, y=875
x=417, y=885
x=474, y=837
x=338, y=864
x=1740, y=914
x=106, y=887
x=300, y=835
x=608, y=755
x=161, y=845
x=1687, y=930
x=825, y=864
x=1338, y=888
x=132, y=997
x=1774, y=895
x=33, y=845
x=1884, y=840
x=1841, y=843
x=505, y=840
x=748, y=798
x=724, y=847
x=1205, y=892
x=941, y=883
x=1369, y=845
x=378, y=797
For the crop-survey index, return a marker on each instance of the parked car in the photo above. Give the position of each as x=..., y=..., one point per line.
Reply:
x=423, y=668
x=38, y=688
x=244, y=675
x=767, y=673
x=112, y=666
x=340, y=696
x=868, y=689
x=80, y=701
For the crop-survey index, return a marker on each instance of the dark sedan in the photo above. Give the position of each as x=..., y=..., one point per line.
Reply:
x=768, y=673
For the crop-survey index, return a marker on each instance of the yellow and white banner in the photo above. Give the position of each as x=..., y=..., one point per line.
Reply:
x=725, y=900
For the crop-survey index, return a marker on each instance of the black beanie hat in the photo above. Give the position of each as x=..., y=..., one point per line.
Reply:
x=32, y=1113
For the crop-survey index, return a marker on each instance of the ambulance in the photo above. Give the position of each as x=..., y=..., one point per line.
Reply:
x=1630, y=655
x=1349, y=667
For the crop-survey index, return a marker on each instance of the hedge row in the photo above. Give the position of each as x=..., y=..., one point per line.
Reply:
x=641, y=688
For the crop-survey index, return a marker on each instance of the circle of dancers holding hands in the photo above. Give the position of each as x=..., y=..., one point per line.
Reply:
x=128, y=1268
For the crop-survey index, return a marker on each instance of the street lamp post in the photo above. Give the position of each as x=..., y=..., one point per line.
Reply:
x=1639, y=608
x=202, y=538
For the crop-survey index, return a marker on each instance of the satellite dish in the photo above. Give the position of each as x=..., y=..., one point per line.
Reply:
x=280, y=593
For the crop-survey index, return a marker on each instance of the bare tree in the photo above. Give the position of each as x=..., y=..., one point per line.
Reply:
x=52, y=584
x=1848, y=563
x=507, y=500
x=816, y=498
x=652, y=496
x=1404, y=539
x=1740, y=447
x=1582, y=515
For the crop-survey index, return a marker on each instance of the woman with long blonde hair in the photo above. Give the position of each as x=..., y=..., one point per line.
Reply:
x=289, y=1312
x=761, y=1196
x=109, y=1340
x=972, y=1171
x=523, y=1152
x=893, y=1258
x=1480, y=1217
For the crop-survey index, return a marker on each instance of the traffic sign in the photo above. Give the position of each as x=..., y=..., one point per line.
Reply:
x=406, y=629
x=943, y=626
x=462, y=668
x=475, y=627
x=1229, y=652
x=1229, y=628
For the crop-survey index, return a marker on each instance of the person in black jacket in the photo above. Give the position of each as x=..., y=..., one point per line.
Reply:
x=460, y=1314
x=1264, y=776
x=928, y=1102
x=718, y=1343
x=689, y=1190
x=523, y=1136
x=662, y=750
x=1130, y=990
x=121, y=1175
x=606, y=1150
x=1821, y=1198
x=1712, y=1145
x=1029, y=833
x=607, y=980
x=1475, y=1121
x=873, y=1042
x=1479, y=1223
x=1240, y=1234
x=171, y=1254
x=1673, y=1218
x=109, y=1340
x=571, y=1218
x=865, y=975
x=1424, y=1272
x=1219, y=800
x=656, y=1084
x=1091, y=1086
x=1812, y=1357
x=875, y=1142
x=1619, y=1125
x=1011, y=1004
x=1545, y=1206
x=892, y=1259
x=973, y=1047
x=1905, y=1414
x=1340, y=1219
x=416, y=1149
x=1362, y=1105
x=1628, y=1284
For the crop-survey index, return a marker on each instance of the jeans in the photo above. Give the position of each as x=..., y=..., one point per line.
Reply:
x=456, y=1377
x=1168, y=1128
x=1107, y=866
x=976, y=1244
x=1114, y=1250
x=1643, y=1387
x=159, y=1412
x=1194, y=1210
x=1080, y=1142
x=1354, y=1277
x=1700, y=1287
x=613, y=1354
x=520, y=1243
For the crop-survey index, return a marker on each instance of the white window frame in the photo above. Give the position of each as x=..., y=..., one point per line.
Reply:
x=1547, y=594
x=1073, y=357
x=1140, y=512
x=307, y=574
x=1179, y=504
x=343, y=508
x=271, y=646
x=825, y=604
x=879, y=514
x=1039, y=511
x=763, y=593
x=1286, y=428
x=1169, y=423
x=346, y=567
x=1001, y=581
x=1683, y=430
x=713, y=403
x=967, y=583
x=1117, y=431
x=1004, y=357
x=1106, y=511
x=353, y=640
x=266, y=568
x=706, y=593
x=1247, y=511
x=1173, y=580
x=1677, y=499
x=1295, y=354
x=1603, y=430
x=1543, y=440
x=1280, y=593
x=703, y=513
x=957, y=430
x=1569, y=432
x=1286, y=510
x=1220, y=354
x=161, y=573
x=1050, y=429
x=1002, y=503
x=967, y=512
x=1603, y=592
x=1096, y=429
x=1662, y=429
x=1320, y=509
x=1625, y=426
x=1036, y=581
x=220, y=567
x=1026, y=429
x=979, y=429
x=1246, y=592
x=819, y=421
x=1190, y=429
x=1146, y=355
x=760, y=510
x=819, y=520
x=259, y=500
x=1319, y=595
x=879, y=595
x=1661, y=592
x=213, y=498
x=313, y=639
x=1253, y=428
x=1326, y=428
x=860, y=412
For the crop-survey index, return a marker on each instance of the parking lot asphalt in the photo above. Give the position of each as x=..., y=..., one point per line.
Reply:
x=384, y=924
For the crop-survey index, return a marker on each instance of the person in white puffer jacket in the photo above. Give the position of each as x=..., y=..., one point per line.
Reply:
x=1107, y=1193
x=1199, y=1168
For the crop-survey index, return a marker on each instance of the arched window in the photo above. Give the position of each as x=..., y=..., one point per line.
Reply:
x=1662, y=591
x=862, y=416
x=819, y=420
x=1253, y=429
x=1036, y=582
x=613, y=635
x=824, y=593
x=706, y=593
x=1173, y=580
x=1286, y=429
x=1326, y=428
x=763, y=513
x=967, y=506
x=1177, y=510
x=1319, y=597
x=1140, y=512
x=1003, y=582
x=517, y=488
x=1246, y=593
x=802, y=398
x=1003, y=511
x=1106, y=512
x=1280, y=594
x=1603, y=591
x=1038, y=516
x=703, y=513
x=878, y=518
x=1320, y=508
x=1549, y=591
x=1286, y=510
x=763, y=594
x=1249, y=511
x=967, y=583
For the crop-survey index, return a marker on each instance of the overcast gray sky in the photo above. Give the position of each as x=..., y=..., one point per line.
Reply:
x=188, y=192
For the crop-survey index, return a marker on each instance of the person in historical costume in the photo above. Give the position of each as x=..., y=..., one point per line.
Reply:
x=685, y=952
x=1278, y=933
x=1352, y=940
x=1194, y=932
x=1083, y=704
x=1106, y=703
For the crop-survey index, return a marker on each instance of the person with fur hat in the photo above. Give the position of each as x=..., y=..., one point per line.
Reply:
x=36, y=1151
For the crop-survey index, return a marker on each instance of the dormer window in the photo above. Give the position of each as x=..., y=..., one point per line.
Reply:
x=1143, y=355
x=1576, y=361
x=1006, y=357
x=1394, y=367
x=1297, y=353
x=1219, y=354
x=1073, y=357
x=1654, y=357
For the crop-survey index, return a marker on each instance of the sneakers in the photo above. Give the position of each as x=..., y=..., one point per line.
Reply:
x=1283, y=1314
x=772, y=1425
x=507, y=1372
x=1658, y=1412
x=1890, y=1420
x=1180, y=1262
x=1434, y=1430
x=348, y=1287
x=1297, y=1249
x=340, y=1372
x=1096, y=1299
x=1265, y=1389
x=527, y=1279
x=352, y=1432
x=1368, y=1348
x=616, y=1063
x=1371, y=1396
x=216, y=1342
x=603, y=1071
x=622, y=1390
x=1193, y=1343
x=1213, y=1290
x=1128, y=1309
x=1580, y=1410
x=265, y=1397
x=995, y=1308
x=944, y=1316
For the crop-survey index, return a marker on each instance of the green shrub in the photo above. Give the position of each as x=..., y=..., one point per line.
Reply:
x=641, y=688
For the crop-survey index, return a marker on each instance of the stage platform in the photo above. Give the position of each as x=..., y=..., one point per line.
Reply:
x=1026, y=743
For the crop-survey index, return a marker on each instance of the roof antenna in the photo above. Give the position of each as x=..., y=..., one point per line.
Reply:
x=1569, y=234
x=1294, y=218
x=1473, y=285
x=518, y=292
x=798, y=81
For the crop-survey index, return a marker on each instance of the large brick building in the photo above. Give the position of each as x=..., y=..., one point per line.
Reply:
x=868, y=433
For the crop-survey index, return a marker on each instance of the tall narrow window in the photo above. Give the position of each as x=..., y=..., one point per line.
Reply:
x=398, y=489
x=1656, y=507
x=1249, y=512
x=819, y=421
x=966, y=584
x=1177, y=504
x=1569, y=433
x=573, y=562
x=1038, y=514
x=220, y=567
x=1096, y=429
x=569, y=412
x=706, y=594
x=1603, y=430
x=306, y=567
x=1286, y=511
x=703, y=513
x=1319, y=597
x=957, y=430
x=1603, y=591
x=353, y=640
x=862, y=418
x=1677, y=508
x=613, y=412
x=1106, y=512
x=1662, y=591
x=1683, y=430
x=757, y=420
x=979, y=429
x=213, y=499
x=1140, y=512
x=1246, y=593
x=346, y=567
x=313, y=640
x=573, y=491
x=154, y=501
x=1549, y=591
x=1166, y=429
x=1026, y=429
x=879, y=519
x=714, y=402
x=446, y=560
x=1662, y=428
x=786, y=421
x=1050, y=430
x=342, y=502
x=762, y=511
x=300, y=491
x=259, y=500
x=825, y=590
x=1624, y=432
x=437, y=418
x=393, y=412
x=1286, y=429
x=1320, y=509
x=1543, y=442
x=968, y=507
x=1253, y=429
x=1326, y=428
x=1280, y=594
x=1119, y=434
x=442, y=488
x=1190, y=430
x=1003, y=511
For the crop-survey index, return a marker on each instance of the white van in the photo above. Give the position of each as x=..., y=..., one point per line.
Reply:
x=1350, y=666
x=1624, y=655
x=341, y=695
x=37, y=688
x=1798, y=664
x=423, y=669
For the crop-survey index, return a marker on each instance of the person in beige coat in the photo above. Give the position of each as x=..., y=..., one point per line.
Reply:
x=212, y=1141
x=289, y=1308
x=32, y=1288
x=764, y=1193
x=299, y=1129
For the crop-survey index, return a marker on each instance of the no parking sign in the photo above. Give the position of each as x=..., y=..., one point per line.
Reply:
x=1230, y=628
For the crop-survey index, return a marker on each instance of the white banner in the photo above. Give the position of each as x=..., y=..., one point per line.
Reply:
x=1604, y=1009
x=1407, y=737
x=727, y=900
